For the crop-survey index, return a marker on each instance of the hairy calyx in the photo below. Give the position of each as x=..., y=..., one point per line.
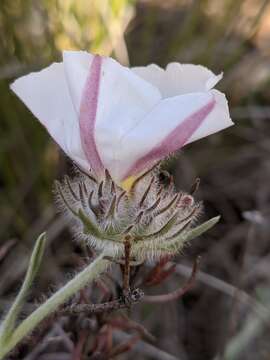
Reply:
x=153, y=216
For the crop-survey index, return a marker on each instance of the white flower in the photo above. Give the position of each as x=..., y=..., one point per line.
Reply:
x=107, y=116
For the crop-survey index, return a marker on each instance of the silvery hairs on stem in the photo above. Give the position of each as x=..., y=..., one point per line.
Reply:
x=153, y=217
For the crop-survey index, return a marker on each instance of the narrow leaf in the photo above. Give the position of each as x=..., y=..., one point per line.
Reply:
x=199, y=230
x=177, y=242
x=9, y=322
x=84, y=278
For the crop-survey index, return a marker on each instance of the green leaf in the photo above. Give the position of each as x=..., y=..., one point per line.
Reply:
x=84, y=278
x=199, y=230
x=176, y=243
x=9, y=322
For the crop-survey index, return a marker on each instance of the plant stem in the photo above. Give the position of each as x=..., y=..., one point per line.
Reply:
x=90, y=273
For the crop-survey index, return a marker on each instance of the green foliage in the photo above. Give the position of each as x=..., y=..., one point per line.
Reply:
x=9, y=323
x=8, y=340
x=200, y=229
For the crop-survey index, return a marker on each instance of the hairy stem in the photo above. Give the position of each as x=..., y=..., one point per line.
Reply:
x=89, y=274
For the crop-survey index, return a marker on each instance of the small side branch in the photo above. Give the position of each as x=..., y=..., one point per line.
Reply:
x=177, y=293
x=132, y=297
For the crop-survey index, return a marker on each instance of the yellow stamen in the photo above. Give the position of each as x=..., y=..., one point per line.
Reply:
x=127, y=183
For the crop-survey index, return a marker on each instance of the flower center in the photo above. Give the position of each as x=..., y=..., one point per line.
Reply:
x=128, y=182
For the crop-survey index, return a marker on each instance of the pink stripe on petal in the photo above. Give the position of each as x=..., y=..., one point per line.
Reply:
x=88, y=111
x=174, y=141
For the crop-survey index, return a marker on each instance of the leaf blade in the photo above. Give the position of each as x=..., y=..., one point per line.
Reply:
x=9, y=322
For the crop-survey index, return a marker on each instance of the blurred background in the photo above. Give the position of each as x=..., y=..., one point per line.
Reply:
x=227, y=313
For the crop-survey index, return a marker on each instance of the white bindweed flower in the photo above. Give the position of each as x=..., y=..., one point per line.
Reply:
x=117, y=124
x=107, y=116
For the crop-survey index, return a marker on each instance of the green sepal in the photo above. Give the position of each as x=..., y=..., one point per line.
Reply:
x=177, y=243
x=92, y=229
x=199, y=230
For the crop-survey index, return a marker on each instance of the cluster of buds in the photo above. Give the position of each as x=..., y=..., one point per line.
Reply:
x=151, y=216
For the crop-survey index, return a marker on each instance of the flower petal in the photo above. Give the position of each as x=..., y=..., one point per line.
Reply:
x=110, y=100
x=124, y=99
x=217, y=120
x=173, y=123
x=83, y=71
x=88, y=114
x=77, y=67
x=178, y=78
x=46, y=94
x=152, y=73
